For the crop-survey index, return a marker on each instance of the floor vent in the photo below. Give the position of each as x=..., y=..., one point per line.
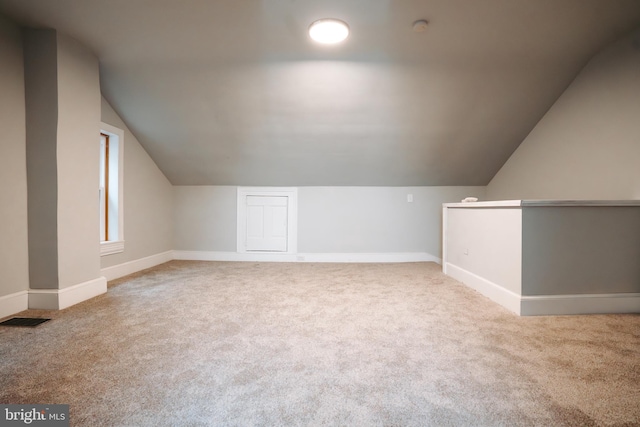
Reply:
x=24, y=321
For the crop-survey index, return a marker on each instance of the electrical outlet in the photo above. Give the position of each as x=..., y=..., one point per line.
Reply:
x=410, y=198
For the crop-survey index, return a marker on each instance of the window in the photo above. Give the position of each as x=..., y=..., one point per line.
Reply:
x=110, y=192
x=104, y=187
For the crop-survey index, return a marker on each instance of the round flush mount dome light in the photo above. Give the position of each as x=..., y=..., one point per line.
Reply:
x=329, y=31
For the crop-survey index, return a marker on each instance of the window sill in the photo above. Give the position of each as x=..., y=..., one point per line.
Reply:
x=111, y=247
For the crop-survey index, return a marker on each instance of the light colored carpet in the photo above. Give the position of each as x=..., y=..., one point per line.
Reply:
x=221, y=343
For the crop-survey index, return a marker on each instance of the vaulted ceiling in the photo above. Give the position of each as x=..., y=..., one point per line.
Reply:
x=232, y=92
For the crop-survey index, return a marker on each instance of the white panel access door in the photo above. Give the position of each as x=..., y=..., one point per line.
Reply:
x=267, y=223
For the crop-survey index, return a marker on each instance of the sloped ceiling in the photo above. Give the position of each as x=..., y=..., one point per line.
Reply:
x=231, y=92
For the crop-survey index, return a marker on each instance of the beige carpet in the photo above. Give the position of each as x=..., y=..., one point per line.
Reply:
x=243, y=344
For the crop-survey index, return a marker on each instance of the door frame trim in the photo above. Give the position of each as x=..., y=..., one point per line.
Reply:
x=292, y=215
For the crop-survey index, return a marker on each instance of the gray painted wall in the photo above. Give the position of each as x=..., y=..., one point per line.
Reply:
x=205, y=218
x=41, y=90
x=63, y=103
x=330, y=219
x=62, y=122
x=588, y=145
x=148, y=200
x=580, y=250
x=374, y=219
x=14, y=260
x=78, y=165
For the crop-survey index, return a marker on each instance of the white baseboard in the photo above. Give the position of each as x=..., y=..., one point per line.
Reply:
x=549, y=305
x=506, y=298
x=233, y=256
x=58, y=299
x=305, y=257
x=126, y=268
x=369, y=257
x=14, y=303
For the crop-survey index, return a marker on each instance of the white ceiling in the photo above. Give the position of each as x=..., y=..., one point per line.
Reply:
x=233, y=92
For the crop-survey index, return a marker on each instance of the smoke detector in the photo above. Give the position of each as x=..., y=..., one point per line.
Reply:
x=420, y=26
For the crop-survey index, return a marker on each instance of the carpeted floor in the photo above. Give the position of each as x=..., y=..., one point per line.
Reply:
x=244, y=344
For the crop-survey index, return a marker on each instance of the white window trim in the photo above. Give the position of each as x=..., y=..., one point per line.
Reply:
x=111, y=247
x=116, y=245
x=292, y=215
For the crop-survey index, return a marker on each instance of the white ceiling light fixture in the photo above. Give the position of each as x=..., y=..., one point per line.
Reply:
x=329, y=31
